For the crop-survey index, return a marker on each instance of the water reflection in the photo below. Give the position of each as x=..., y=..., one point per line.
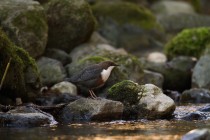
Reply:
x=153, y=130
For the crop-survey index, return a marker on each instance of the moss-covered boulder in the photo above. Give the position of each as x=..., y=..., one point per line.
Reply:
x=141, y=101
x=22, y=77
x=25, y=23
x=70, y=23
x=190, y=42
x=130, y=66
x=127, y=25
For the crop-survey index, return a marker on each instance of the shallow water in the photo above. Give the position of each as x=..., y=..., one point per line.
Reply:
x=151, y=130
x=116, y=130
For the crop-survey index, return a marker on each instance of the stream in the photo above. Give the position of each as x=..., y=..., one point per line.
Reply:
x=135, y=130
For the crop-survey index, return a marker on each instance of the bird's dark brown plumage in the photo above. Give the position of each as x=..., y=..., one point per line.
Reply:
x=90, y=77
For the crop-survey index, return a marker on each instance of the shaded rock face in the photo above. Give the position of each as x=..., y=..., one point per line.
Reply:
x=25, y=117
x=58, y=54
x=200, y=76
x=177, y=22
x=142, y=101
x=123, y=21
x=197, y=134
x=22, y=76
x=86, y=109
x=178, y=71
x=51, y=71
x=153, y=78
x=25, y=23
x=195, y=96
x=70, y=23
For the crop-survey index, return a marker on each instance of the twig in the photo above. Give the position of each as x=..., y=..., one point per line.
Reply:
x=5, y=73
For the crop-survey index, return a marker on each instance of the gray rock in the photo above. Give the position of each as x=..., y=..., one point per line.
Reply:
x=86, y=109
x=154, y=104
x=65, y=87
x=177, y=22
x=200, y=76
x=26, y=117
x=197, y=134
x=156, y=57
x=195, y=95
x=176, y=73
x=25, y=23
x=51, y=71
x=142, y=101
x=59, y=55
x=70, y=23
x=163, y=8
x=153, y=78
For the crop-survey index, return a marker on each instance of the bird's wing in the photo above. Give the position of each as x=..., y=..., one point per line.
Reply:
x=88, y=73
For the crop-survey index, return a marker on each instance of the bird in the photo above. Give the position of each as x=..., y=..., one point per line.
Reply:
x=93, y=76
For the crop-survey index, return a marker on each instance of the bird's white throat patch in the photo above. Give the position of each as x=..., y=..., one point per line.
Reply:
x=106, y=73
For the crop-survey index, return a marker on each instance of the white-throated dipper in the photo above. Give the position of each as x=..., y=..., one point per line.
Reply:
x=93, y=76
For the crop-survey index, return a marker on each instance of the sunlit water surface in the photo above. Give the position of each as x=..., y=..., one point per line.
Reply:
x=116, y=130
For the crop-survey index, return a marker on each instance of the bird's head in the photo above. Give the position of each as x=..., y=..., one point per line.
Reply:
x=107, y=64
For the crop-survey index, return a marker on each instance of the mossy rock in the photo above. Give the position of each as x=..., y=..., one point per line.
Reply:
x=127, y=25
x=16, y=83
x=125, y=12
x=125, y=91
x=141, y=101
x=190, y=42
x=71, y=23
x=25, y=23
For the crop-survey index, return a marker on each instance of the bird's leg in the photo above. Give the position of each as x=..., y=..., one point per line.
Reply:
x=93, y=96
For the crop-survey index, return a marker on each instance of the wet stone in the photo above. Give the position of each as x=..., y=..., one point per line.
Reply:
x=25, y=117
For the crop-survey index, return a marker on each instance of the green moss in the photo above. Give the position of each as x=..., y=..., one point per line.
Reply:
x=196, y=4
x=190, y=42
x=71, y=23
x=124, y=13
x=33, y=21
x=14, y=84
x=126, y=92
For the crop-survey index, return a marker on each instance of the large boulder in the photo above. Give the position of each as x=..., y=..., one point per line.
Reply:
x=86, y=109
x=70, y=23
x=128, y=25
x=25, y=23
x=22, y=77
x=142, y=101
